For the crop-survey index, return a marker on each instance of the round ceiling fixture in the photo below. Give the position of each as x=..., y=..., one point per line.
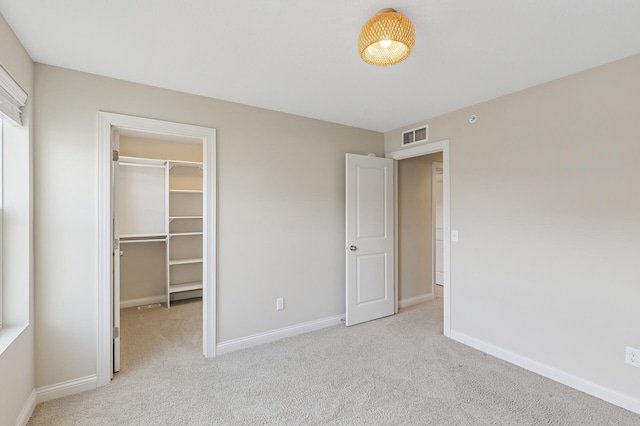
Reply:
x=386, y=39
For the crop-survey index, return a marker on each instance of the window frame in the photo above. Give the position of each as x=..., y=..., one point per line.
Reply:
x=12, y=99
x=1, y=215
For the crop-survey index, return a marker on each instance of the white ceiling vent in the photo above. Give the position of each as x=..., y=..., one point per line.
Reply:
x=417, y=135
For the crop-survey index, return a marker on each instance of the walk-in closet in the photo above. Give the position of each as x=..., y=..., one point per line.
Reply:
x=160, y=215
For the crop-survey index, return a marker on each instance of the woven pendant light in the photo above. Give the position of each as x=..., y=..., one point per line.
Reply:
x=387, y=38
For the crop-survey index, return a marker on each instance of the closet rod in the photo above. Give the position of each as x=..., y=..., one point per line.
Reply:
x=155, y=240
x=198, y=166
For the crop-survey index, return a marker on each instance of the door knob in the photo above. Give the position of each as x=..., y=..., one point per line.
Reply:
x=353, y=248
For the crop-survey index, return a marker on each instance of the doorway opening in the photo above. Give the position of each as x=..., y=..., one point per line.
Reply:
x=419, y=253
x=440, y=148
x=157, y=225
x=178, y=222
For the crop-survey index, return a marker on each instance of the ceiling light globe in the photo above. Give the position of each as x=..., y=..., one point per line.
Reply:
x=386, y=39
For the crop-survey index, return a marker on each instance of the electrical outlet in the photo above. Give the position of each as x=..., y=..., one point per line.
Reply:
x=279, y=303
x=632, y=357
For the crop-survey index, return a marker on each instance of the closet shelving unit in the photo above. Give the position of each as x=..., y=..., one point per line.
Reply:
x=184, y=240
x=175, y=205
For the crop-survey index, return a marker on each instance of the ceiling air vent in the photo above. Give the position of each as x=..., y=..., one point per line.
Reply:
x=417, y=135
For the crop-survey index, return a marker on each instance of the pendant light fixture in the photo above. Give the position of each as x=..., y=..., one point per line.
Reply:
x=386, y=39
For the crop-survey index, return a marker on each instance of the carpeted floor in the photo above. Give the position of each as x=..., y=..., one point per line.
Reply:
x=398, y=370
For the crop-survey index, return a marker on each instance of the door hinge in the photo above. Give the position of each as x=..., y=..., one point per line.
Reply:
x=116, y=332
x=116, y=244
x=115, y=155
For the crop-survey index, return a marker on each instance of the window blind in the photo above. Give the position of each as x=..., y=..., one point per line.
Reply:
x=12, y=98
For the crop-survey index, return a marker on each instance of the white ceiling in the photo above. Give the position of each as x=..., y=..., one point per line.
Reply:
x=301, y=57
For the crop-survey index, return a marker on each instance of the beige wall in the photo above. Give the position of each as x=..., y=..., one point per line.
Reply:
x=280, y=211
x=142, y=271
x=544, y=193
x=415, y=271
x=17, y=360
x=132, y=146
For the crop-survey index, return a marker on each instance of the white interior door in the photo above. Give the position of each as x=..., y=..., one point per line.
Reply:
x=369, y=238
x=115, y=237
x=439, y=222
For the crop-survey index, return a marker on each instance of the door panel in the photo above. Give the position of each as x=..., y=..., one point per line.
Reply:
x=369, y=238
x=370, y=202
x=371, y=276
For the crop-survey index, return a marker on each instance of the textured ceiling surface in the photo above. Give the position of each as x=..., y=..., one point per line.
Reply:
x=300, y=57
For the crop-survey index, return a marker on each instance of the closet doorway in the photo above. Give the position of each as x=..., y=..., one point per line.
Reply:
x=157, y=224
x=157, y=221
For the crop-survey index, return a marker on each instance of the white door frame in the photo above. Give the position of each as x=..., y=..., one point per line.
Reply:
x=431, y=148
x=105, y=123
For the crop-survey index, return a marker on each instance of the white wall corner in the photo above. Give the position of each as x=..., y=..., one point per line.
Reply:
x=273, y=335
x=552, y=373
x=70, y=387
x=27, y=409
x=405, y=303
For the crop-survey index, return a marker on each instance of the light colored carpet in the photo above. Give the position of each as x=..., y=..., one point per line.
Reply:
x=398, y=370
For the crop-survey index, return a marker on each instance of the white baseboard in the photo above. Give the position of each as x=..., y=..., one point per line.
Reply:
x=70, y=387
x=27, y=410
x=186, y=295
x=281, y=333
x=405, y=303
x=132, y=303
x=552, y=373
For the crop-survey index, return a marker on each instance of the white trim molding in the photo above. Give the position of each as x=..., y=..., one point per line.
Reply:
x=106, y=123
x=9, y=334
x=281, y=333
x=410, y=301
x=27, y=409
x=70, y=387
x=416, y=151
x=432, y=148
x=549, y=372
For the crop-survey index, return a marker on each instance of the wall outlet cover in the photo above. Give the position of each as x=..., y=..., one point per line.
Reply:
x=632, y=357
